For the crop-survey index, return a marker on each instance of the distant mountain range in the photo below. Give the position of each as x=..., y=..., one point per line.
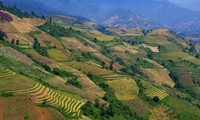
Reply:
x=119, y=13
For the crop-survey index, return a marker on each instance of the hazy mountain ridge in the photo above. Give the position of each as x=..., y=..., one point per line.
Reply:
x=160, y=12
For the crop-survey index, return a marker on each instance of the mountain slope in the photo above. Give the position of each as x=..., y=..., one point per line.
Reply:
x=69, y=73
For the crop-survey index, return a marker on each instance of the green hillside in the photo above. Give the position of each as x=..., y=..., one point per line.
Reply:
x=94, y=75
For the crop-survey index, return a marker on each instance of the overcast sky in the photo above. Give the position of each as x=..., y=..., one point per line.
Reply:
x=191, y=4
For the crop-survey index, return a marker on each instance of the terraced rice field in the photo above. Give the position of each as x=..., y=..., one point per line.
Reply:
x=113, y=77
x=161, y=32
x=124, y=88
x=153, y=91
x=58, y=55
x=160, y=40
x=25, y=46
x=163, y=112
x=90, y=68
x=159, y=76
x=6, y=73
x=41, y=94
x=101, y=37
x=175, y=56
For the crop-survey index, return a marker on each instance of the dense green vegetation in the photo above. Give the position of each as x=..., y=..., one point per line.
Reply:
x=57, y=31
x=144, y=63
x=33, y=33
x=41, y=50
x=5, y=94
x=196, y=74
x=62, y=73
x=20, y=67
x=115, y=110
x=90, y=56
x=14, y=10
x=73, y=81
x=2, y=35
x=103, y=30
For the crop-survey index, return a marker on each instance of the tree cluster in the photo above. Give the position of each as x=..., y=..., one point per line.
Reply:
x=14, y=10
x=41, y=50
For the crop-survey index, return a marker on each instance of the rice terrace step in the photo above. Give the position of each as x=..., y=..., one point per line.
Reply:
x=41, y=94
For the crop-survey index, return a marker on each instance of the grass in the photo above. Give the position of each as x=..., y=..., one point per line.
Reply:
x=183, y=110
x=90, y=68
x=172, y=56
x=162, y=112
x=39, y=57
x=153, y=91
x=22, y=108
x=58, y=55
x=139, y=107
x=159, y=76
x=25, y=46
x=77, y=43
x=113, y=76
x=161, y=32
x=169, y=48
x=175, y=56
x=43, y=95
x=196, y=90
x=15, y=82
x=6, y=73
x=33, y=33
x=90, y=62
x=101, y=37
x=156, y=39
x=19, y=67
x=152, y=48
x=122, y=48
x=124, y=88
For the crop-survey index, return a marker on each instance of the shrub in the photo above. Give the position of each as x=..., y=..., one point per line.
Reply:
x=5, y=94
x=62, y=73
x=74, y=82
x=41, y=50
x=2, y=35
x=156, y=99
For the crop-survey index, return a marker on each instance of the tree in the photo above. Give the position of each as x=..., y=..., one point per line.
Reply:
x=111, y=65
x=17, y=42
x=13, y=41
x=43, y=17
x=156, y=99
x=97, y=103
x=150, y=56
x=36, y=43
x=74, y=82
x=123, y=70
x=144, y=32
x=103, y=64
x=2, y=35
x=95, y=40
x=41, y=50
x=50, y=20
x=32, y=13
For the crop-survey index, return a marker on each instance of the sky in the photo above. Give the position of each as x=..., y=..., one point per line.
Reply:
x=190, y=4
